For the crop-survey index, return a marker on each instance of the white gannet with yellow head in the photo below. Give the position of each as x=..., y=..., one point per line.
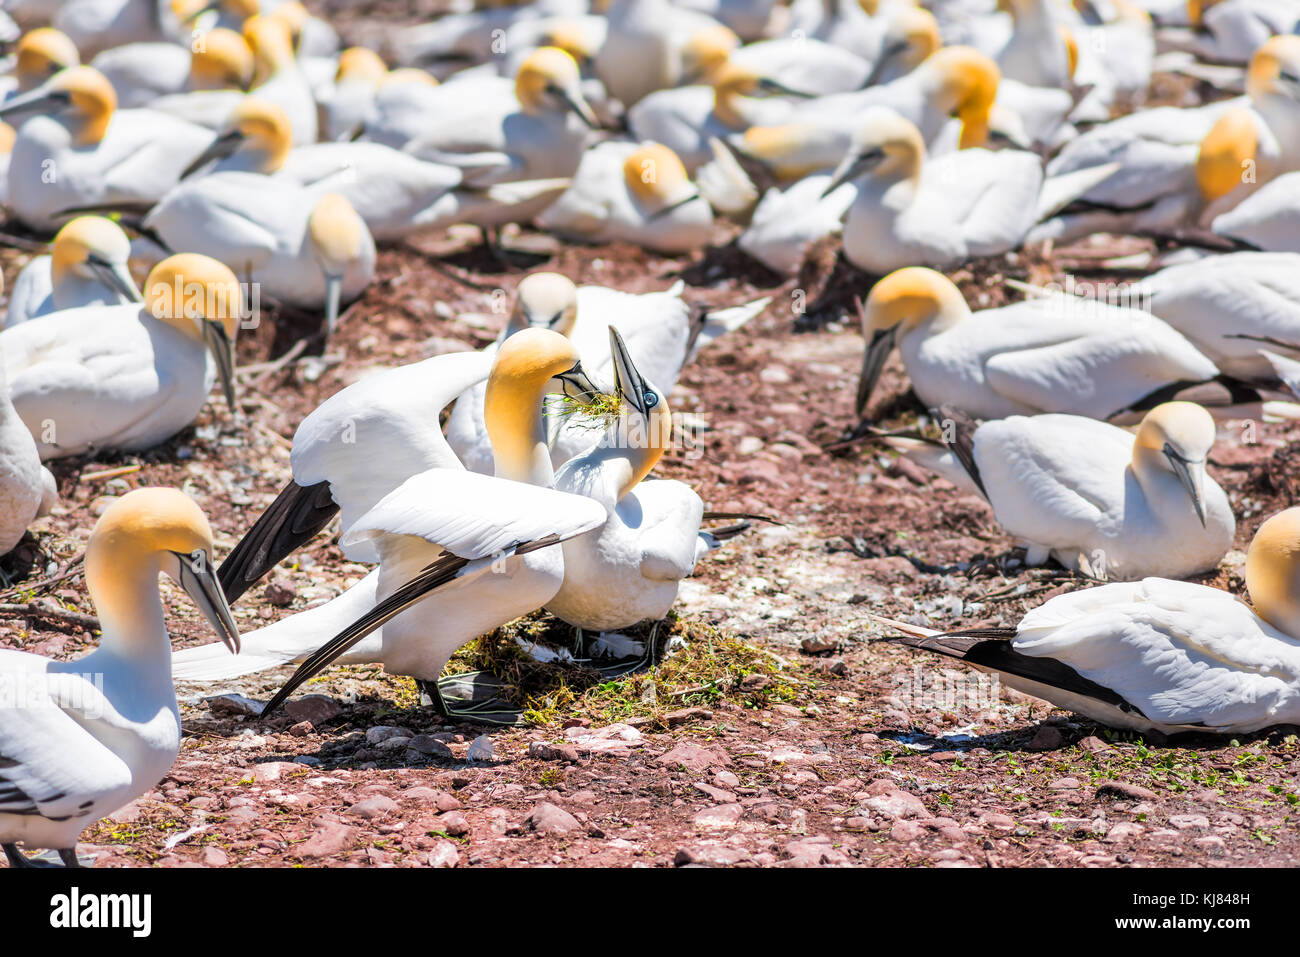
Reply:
x=40, y=54
x=1184, y=167
x=160, y=75
x=347, y=105
x=278, y=77
x=103, y=156
x=306, y=246
x=1224, y=31
x=127, y=376
x=1129, y=507
x=1158, y=655
x=629, y=570
x=83, y=738
x=87, y=266
x=459, y=553
x=633, y=193
x=910, y=212
x=1055, y=354
x=644, y=47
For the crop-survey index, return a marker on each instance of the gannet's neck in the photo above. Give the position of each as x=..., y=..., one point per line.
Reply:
x=134, y=630
x=512, y=413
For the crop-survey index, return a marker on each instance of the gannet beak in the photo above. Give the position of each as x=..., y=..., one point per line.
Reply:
x=117, y=276
x=575, y=103
x=39, y=100
x=852, y=167
x=1192, y=475
x=628, y=382
x=673, y=207
x=886, y=56
x=223, y=350
x=224, y=145
x=577, y=385
x=534, y=321
x=333, y=293
x=882, y=343
x=194, y=572
x=776, y=88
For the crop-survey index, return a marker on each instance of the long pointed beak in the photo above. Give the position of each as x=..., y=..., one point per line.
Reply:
x=577, y=384
x=224, y=145
x=333, y=293
x=118, y=277
x=223, y=351
x=200, y=583
x=777, y=88
x=578, y=105
x=886, y=57
x=873, y=362
x=628, y=382
x=852, y=166
x=673, y=207
x=39, y=100
x=1192, y=475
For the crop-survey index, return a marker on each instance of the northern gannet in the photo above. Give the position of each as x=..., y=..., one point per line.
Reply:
x=87, y=266
x=348, y=105
x=1229, y=31
x=1057, y=354
x=142, y=73
x=80, y=739
x=643, y=46
x=1099, y=499
x=1157, y=655
x=278, y=77
x=1182, y=167
x=628, y=570
x=102, y=155
x=633, y=193
x=127, y=376
x=40, y=54
x=459, y=553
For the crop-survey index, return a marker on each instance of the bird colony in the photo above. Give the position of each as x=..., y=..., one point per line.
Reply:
x=206, y=201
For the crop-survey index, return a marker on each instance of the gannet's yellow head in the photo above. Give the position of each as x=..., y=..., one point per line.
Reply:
x=569, y=36
x=360, y=65
x=294, y=16
x=706, y=52
x=1273, y=571
x=338, y=236
x=521, y=376
x=80, y=96
x=902, y=301
x=870, y=7
x=201, y=298
x=733, y=82
x=1071, y=51
x=409, y=74
x=887, y=146
x=656, y=176
x=272, y=46
x=1275, y=68
x=1178, y=436
x=42, y=53
x=549, y=79
x=1196, y=10
x=545, y=300
x=258, y=130
x=964, y=83
x=1226, y=153
x=7, y=136
x=647, y=430
x=147, y=532
x=222, y=61
x=92, y=247
x=914, y=33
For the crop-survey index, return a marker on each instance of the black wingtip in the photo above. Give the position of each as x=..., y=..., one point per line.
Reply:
x=295, y=517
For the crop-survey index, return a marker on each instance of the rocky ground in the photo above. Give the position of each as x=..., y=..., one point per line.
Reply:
x=779, y=731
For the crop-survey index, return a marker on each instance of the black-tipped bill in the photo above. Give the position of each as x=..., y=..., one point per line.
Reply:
x=116, y=277
x=631, y=386
x=195, y=574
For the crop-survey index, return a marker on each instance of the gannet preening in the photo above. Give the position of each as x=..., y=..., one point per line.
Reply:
x=80, y=739
x=1157, y=654
x=40, y=54
x=99, y=155
x=1183, y=167
x=159, y=74
x=459, y=553
x=127, y=376
x=1095, y=497
x=632, y=193
x=1057, y=354
x=86, y=266
x=628, y=570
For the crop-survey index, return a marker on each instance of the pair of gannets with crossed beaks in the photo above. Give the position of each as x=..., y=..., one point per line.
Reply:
x=80, y=739
x=470, y=545
x=1096, y=497
x=1182, y=168
x=87, y=266
x=127, y=376
x=1054, y=354
x=1157, y=655
x=75, y=149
